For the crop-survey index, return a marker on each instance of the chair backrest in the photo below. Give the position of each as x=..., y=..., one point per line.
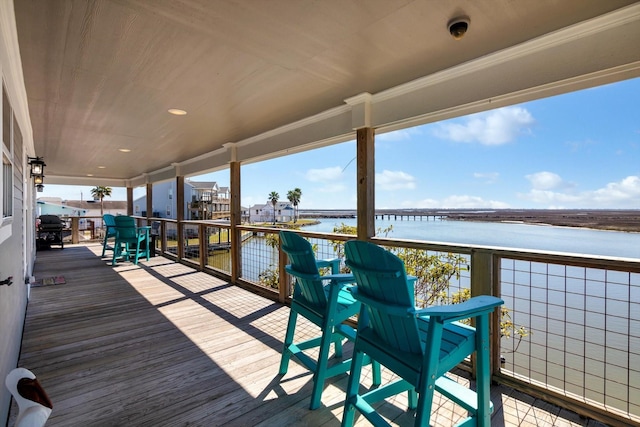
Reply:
x=386, y=295
x=109, y=220
x=125, y=227
x=302, y=266
x=110, y=224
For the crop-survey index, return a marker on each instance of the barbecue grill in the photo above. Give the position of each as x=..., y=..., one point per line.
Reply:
x=50, y=231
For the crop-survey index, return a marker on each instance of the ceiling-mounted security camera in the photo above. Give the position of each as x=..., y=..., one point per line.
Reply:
x=458, y=27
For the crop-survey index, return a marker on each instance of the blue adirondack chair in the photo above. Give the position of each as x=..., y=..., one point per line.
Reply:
x=325, y=301
x=109, y=223
x=419, y=345
x=129, y=240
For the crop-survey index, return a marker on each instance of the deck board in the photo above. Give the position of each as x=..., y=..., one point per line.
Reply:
x=161, y=344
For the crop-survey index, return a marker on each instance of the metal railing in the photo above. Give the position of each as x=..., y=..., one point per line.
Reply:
x=578, y=316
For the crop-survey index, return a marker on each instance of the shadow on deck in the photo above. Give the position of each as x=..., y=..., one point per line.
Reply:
x=163, y=344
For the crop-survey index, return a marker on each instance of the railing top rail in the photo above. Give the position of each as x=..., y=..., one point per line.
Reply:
x=207, y=222
x=582, y=260
x=564, y=258
x=155, y=219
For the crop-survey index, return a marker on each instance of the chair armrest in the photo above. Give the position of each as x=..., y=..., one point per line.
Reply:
x=339, y=279
x=473, y=307
x=334, y=278
x=334, y=263
x=143, y=231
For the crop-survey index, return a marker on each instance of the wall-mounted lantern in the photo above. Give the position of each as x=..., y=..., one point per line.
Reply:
x=37, y=171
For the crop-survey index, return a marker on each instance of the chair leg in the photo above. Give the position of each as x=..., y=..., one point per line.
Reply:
x=137, y=255
x=412, y=398
x=124, y=251
x=353, y=385
x=377, y=376
x=288, y=340
x=338, y=347
x=104, y=244
x=147, y=246
x=320, y=374
x=117, y=249
x=483, y=373
x=427, y=380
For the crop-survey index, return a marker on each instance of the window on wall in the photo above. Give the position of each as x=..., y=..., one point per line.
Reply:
x=6, y=188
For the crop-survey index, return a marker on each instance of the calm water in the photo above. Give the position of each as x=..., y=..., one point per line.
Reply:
x=512, y=235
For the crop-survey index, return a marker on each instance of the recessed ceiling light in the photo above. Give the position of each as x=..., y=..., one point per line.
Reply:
x=89, y=174
x=124, y=150
x=177, y=112
x=102, y=167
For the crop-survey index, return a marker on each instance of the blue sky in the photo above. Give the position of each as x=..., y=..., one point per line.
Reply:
x=578, y=150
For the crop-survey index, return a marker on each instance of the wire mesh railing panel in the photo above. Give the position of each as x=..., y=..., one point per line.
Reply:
x=583, y=338
x=171, y=232
x=219, y=248
x=191, y=233
x=260, y=259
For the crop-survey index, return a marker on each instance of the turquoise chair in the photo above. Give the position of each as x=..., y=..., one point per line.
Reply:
x=129, y=240
x=419, y=345
x=109, y=224
x=325, y=301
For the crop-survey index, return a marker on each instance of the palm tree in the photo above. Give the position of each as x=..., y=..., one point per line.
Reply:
x=100, y=192
x=273, y=198
x=294, y=197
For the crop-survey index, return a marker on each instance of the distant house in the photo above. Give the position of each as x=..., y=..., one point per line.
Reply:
x=80, y=208
x=264, y=212
x=202, y=200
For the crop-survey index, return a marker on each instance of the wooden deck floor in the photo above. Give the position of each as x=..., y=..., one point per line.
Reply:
x=161, y=344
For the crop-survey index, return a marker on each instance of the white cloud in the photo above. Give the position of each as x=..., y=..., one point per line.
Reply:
x=472, y=202
x=324, y=175
x=332, y=188
x=421, y=204
x=399, y=135
x=456, y=202
x=487, y=177
x=615, y=195
x=493, y=128
x=544, y=180
x=395, y=180
x=627, y=190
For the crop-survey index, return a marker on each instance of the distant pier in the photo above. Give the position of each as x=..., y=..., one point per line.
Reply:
x=408, y=217
x=389, y=214
x=602, y=219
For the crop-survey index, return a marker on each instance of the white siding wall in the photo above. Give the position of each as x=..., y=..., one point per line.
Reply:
x=17, y=248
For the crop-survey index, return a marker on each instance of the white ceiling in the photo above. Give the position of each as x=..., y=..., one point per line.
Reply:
x=276, y=76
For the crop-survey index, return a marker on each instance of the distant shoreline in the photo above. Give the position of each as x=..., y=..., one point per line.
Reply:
x=598, y=219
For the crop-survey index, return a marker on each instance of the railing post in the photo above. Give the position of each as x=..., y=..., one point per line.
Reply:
x=235, y=219
x=485, y=281
x=75, y=230
x=204, y=245
x=130, y=201
x=366, y=183
x=163, y=237
x=481, y=272
x=180, y=216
